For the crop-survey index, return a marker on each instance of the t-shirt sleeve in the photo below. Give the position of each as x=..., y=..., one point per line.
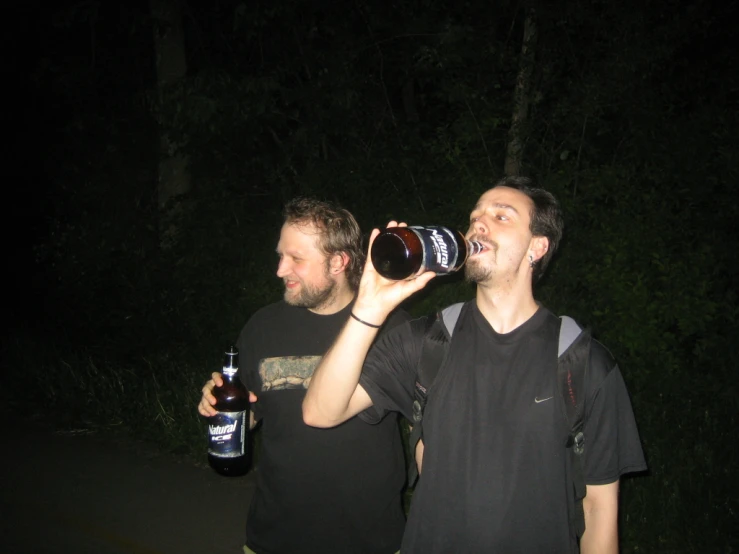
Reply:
x=397, y=317
x=389, y=371
x=612, y=444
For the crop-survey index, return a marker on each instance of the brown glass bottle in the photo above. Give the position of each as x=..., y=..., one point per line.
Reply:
x=402, y=252
x=228, y=446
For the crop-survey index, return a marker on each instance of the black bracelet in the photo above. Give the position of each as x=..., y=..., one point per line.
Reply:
x=364, y=322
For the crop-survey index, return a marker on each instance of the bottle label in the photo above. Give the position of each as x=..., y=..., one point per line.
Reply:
x=226, y=432
x=440, y=248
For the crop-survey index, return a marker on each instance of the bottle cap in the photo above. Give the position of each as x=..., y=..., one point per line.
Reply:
x=231, y=361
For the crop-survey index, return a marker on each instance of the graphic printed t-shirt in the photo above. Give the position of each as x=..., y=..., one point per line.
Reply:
x=318, y=490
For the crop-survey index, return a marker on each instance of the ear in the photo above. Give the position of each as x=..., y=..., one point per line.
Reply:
x=338, y=262
x=538, y=247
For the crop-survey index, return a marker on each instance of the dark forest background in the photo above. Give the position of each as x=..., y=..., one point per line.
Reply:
x=151, y=147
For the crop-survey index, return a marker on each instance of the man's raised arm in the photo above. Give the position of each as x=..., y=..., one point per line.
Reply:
x=334, y=394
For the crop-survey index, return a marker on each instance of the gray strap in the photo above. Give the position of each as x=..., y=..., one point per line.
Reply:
x=450, y=315
x=568, y=332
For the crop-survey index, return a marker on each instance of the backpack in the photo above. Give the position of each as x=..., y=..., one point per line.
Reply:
x=572, y=365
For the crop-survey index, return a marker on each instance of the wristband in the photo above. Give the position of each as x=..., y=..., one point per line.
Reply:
x=364, y=322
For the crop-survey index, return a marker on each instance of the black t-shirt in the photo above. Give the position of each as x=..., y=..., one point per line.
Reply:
x=318, y=490
x=495, y=470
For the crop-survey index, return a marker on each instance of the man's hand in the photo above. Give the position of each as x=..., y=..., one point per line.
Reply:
x=377, y=296
x=208, y=401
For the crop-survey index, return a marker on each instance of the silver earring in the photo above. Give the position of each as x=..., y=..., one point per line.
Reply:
x=531, y=262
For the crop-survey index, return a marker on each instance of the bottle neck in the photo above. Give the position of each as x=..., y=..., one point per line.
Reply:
x=473, y=247
x=230, y=374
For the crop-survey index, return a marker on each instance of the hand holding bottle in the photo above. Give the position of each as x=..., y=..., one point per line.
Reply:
x=377, y=295
x=228, y=440
x=208, y=401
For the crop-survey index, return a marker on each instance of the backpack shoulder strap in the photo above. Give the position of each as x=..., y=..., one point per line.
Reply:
x=572, y=367
x=434, y=348
x=569, y=330
x=436, y=337
x=450, y=315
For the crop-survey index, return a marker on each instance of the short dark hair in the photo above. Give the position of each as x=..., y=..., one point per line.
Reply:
x=339, y=231
x=546, y=216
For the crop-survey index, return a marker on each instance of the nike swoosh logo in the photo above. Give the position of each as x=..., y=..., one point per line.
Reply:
x=540, y=400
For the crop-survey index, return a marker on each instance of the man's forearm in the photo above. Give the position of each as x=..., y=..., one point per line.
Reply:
x=600, y=506
x=333, y=395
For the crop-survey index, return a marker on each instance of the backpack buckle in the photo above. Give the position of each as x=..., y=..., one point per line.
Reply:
x=577, y=442
x=417, y=411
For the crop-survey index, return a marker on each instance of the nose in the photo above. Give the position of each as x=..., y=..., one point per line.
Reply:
x=477, y=227
x=283, y=267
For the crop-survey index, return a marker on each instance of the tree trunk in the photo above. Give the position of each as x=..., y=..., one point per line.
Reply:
x=521, y=98
x=171, y=67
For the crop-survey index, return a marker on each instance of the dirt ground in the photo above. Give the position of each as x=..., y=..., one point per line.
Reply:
x=83, y=493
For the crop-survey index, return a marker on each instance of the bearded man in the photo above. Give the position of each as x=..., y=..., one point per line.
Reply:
x=337, y=490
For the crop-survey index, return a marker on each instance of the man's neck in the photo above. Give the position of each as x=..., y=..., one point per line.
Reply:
x=343, y=296
x=506, y=309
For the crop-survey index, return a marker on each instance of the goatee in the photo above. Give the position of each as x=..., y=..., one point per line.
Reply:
x=475, y=273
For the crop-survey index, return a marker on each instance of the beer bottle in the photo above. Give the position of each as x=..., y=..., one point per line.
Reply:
x=402, y=252
x=228, y=451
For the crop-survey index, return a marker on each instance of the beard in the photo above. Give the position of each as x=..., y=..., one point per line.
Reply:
x=477, y=273
x=312, y=297
x=474, y=270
